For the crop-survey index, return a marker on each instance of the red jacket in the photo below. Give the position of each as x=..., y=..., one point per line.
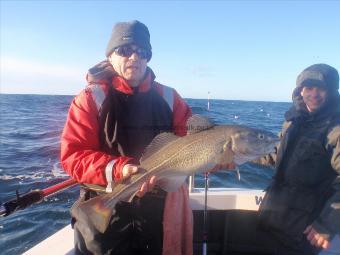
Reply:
x=81, y=153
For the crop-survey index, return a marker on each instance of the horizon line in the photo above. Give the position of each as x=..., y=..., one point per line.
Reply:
x=221, y=99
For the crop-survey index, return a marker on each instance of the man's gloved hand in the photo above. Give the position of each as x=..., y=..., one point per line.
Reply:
x=130, y=169
x=315, y=238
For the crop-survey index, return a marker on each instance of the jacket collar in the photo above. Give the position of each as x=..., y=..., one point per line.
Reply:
x=120, y=84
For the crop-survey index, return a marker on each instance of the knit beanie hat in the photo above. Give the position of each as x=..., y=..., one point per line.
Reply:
x=127, y=33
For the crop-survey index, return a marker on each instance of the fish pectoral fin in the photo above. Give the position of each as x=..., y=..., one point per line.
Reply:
x=228, y=145
x=96, y=211
x=171, y=184
x=227, y=155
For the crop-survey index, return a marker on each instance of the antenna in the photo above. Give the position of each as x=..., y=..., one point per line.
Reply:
x=208, y=107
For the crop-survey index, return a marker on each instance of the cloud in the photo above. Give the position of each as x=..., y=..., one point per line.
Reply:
x=26, y=76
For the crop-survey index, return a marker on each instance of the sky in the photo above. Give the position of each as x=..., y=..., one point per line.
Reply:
x=234, y=50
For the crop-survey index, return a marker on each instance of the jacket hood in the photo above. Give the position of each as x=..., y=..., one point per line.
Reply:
x=321, y=75
x=101, y=72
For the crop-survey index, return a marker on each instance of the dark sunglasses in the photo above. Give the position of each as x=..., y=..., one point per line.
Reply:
x=127, y=51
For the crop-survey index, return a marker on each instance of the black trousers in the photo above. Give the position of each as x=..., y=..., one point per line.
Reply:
x=135, y=228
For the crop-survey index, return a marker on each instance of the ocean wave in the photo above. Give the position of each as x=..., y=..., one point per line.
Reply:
x=57, y=171
x=21, y=177
x=31, y=173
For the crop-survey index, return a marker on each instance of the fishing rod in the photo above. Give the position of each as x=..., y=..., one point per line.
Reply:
x=32, y=197
x=205, y=213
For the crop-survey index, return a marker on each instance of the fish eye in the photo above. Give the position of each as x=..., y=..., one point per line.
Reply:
x=260, y=136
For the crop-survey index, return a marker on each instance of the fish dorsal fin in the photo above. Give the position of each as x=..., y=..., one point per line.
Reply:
x=157, y=143
x=197, y=123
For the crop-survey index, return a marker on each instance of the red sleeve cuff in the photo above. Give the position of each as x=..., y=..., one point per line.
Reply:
x=118, y=167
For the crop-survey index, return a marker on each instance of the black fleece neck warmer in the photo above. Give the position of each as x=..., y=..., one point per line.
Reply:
x=298, y=112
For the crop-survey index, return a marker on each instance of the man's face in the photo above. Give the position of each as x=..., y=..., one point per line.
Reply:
x=314, y=97
x=129, y=62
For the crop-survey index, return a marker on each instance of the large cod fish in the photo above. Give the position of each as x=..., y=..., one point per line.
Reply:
x=172, y=159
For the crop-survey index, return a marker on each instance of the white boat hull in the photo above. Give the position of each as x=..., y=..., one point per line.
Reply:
x=231, y=201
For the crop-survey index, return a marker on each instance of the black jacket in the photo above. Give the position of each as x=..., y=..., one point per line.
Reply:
x=306, y=186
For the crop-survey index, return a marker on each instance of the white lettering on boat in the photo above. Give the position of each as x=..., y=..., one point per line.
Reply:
x=258, y=200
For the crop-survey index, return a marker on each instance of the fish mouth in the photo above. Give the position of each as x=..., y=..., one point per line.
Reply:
x=270, y=148
x=255, y=154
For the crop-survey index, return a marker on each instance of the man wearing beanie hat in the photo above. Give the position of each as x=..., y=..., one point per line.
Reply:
x=109, y=125
x=301, y=208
